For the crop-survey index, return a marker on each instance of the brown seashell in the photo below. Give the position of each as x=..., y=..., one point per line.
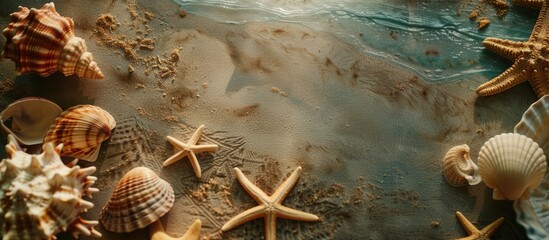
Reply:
x=41, y=41
x=81, y=129
x=139, y=199
x=459, y=169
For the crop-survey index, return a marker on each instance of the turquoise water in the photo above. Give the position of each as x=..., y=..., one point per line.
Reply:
x=427, y=37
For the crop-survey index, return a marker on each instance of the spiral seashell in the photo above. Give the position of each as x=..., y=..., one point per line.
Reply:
x=41, y=41
x=534, y=123
x=459, y=169
x=512, y=164
x=81, y=129
x=139, y=199
x=30, y=118
x=41, y=196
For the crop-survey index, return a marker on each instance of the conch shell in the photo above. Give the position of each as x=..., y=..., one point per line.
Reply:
x=41, y=41
x=139, y=199
x=30, y=117
x=459, y=169
x=534, y=123
x=513, y=165
x=81, y=129
x=41, y=196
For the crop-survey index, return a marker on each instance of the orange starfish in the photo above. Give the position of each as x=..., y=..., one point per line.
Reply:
x=531, y=57
x=270, y=206
x=474, y=233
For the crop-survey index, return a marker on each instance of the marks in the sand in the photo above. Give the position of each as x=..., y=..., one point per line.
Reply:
x=246, y=110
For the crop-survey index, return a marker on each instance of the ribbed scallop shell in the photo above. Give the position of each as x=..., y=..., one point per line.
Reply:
x=512, y=164
x=535, y=122
x=41, y=196
x=30, y=117
x=81, y=129
x=139, y=199
x=459, y=170
x=41, y=41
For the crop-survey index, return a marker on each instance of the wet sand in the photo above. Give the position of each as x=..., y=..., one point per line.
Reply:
x=370, y=136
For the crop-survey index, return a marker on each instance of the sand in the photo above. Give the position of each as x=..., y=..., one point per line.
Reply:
x=370, y=136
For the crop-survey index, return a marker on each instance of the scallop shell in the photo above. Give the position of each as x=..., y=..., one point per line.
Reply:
x=30, y=118
x=81, y=129
x=41, y=41
x=459, y=169
x=41, y=196
x=139, y=199
x=512, y=164
x=534, y=123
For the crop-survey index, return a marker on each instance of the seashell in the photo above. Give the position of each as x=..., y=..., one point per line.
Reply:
x=81, y=129
x=512, y=164
x=139, y=199
x=459, y=170
x=30, y=117
x=534, y=123
x=41, y=196
x=41, y=41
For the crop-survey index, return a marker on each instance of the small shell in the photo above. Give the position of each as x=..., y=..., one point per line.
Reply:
x=512, y=164
x=139, y=199
x=534, y=123
x=459, y=169
x=81, y=129
x=30, y=117
x=41, y=41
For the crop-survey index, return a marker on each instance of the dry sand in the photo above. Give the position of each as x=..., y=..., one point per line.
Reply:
x=369, y=136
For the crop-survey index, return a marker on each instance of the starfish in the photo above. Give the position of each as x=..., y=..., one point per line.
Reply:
x=189, y=149
x=531, y=58
x=270, y=207
x=474, y=233
x=157, y=232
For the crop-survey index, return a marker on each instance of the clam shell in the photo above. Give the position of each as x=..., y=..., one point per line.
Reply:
x=533, y=122
x=512, y=164
x=459, y=170
x=30, y=117
x=81, y=129
x=139, y=199
x=41, y=41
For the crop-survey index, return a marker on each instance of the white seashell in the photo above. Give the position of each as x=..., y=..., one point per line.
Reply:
x=81, y=129
x=139, y=199
x=459, y=170
x=30, y=117
x=512, y=164
x=535, y=122
x=41, y=196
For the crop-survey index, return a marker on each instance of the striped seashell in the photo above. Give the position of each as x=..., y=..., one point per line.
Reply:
x=41, y=41
x=534, y=123
x=139, y=199
x=81, y=129
x=41, y=196
x=459, y=170
x=28, y=119
x=511, y=164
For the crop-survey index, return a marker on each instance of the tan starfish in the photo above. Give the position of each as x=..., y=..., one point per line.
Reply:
x=189, y=149
x=474, y=233
x=270, y=207
x=158, y=233
x=531, y=58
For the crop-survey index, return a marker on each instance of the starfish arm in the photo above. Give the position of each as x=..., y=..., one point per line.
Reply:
x=511, y=77
x=176, y=143
x=174, y=158
x=156, y=231
x=467, y=225
x=194, y=231
x=286, y=186
x=489, y=230
x=506, y=48
x=540, y=30
x=257, y=194
x=248, y=215
x=270, y=227
x=293, y=214
x=196, y=135
x=204, y=148
x=195, y=164
x=529, y=3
